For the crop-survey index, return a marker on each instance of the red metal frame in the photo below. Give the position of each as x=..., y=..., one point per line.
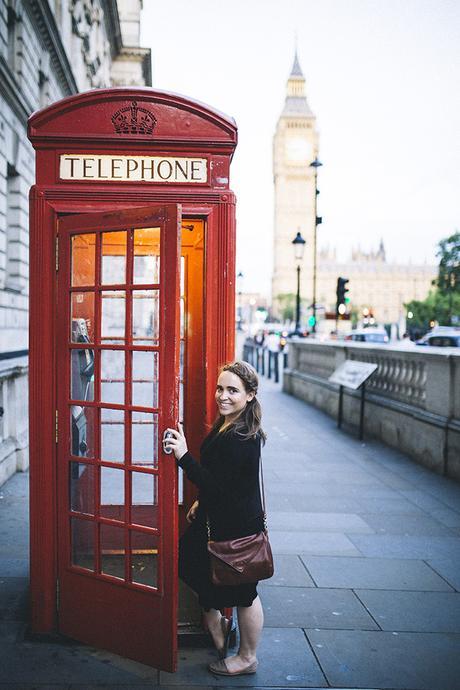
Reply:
x=83, y=124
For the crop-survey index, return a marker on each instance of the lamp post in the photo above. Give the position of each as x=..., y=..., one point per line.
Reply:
x=318, y=220
x=299, y=246
x=239, y=278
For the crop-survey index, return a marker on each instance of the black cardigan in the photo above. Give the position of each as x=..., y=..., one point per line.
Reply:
x=228, y=482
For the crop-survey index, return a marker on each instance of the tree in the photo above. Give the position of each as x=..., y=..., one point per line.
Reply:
x=435, y=309
x=448, y=281
x=287, y=305
x=442, y=306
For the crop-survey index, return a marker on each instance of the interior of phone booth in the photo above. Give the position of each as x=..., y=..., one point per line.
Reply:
x=113, y=371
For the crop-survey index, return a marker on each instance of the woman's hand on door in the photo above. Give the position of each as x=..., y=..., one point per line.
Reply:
x=177, y=442
x=191, y=515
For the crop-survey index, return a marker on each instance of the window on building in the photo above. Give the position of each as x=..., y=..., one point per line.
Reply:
x=14, y=280
x=43, y=79
x=12, y=22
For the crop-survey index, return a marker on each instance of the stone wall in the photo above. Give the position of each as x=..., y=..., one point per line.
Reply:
x=412, y=400
x=14, y=451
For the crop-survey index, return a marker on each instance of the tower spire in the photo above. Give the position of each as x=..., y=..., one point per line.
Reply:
x=296, y=70
x=296, y=100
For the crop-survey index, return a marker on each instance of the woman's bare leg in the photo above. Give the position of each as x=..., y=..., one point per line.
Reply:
x=250, y=622
x=212, y=618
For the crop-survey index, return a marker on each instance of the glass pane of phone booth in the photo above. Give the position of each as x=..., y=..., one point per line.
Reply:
x=113, y=392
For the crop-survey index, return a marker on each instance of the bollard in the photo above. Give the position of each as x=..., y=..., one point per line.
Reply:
x=263, y=361
x=269, y=372
x=276, y=363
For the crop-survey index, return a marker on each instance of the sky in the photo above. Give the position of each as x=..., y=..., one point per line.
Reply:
x=382, y=78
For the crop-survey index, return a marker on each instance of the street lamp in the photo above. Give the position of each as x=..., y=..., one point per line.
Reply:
x=299, y=246
x=318, y=220
x=239, y=278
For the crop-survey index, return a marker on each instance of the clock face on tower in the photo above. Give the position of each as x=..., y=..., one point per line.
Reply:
x=299, y=151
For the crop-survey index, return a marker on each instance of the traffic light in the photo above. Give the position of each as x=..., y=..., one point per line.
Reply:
x=311, y=321
x=342, y=299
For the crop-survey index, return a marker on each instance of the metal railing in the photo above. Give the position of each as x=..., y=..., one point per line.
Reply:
x=266, y=362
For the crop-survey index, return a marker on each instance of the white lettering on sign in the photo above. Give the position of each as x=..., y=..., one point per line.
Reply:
x=132, y=168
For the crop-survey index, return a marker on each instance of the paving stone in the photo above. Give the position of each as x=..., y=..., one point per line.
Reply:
x=394, y=546
x=285, y=661
x=14, y=598
x=112, y=686
x=374, y=573
x=17, y=485
x=40, y=686
x=336, y=490
x=413, y=525
x=277, y=502
x=48, y=663
x=448, y=568
x=397, y=506
x=304, y=607
x=289, y=572
x=423, y=499
x=447, y=516
x=315, y=504
x=12, y=631
x=312, y=542
x=413, y=611
x=420, y=661
x=14, y=567
x=297, y=489
x=320, y=522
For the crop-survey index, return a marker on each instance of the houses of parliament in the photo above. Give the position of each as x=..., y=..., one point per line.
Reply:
x=375, y=284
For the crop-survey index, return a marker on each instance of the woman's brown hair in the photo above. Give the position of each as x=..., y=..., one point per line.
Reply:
x=248, y=422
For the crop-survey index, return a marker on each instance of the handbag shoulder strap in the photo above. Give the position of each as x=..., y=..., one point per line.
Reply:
x=262, y=492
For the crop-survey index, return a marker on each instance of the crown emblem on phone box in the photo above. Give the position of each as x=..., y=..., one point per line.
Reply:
x=133, y=120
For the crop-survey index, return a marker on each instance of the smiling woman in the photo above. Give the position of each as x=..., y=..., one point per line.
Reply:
x=229, y=506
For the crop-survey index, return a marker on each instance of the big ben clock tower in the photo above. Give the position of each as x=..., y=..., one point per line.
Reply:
x=295, y=147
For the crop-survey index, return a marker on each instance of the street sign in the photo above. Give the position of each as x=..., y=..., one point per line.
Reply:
x=352, y=374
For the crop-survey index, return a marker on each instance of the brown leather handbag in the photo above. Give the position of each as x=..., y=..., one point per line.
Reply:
x=243, y=560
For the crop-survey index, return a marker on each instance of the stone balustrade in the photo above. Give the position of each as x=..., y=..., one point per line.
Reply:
x=412, y=400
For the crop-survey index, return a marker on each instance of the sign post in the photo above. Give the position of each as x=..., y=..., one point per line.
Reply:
x=353, y=374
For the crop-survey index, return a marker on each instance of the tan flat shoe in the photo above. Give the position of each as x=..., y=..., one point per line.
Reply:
x=220, y=668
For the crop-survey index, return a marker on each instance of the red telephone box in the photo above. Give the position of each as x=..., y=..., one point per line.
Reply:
x=132, y=252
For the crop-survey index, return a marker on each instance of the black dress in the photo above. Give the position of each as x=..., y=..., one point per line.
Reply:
x=229, y=493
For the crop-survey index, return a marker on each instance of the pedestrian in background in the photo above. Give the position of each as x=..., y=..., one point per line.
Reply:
x=229, y=498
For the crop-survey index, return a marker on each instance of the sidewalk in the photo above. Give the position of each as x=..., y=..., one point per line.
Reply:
x=366, y=592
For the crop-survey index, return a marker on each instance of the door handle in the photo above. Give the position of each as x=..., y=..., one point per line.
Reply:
x=167, y=435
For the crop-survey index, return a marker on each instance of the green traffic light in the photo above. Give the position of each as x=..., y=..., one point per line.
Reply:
x=311, y=321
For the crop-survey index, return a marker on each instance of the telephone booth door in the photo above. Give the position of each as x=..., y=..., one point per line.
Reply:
x=117, y=356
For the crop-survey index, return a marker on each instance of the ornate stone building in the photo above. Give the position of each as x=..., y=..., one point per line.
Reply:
x=374, y=283
x=49, y=49
x=295, y=146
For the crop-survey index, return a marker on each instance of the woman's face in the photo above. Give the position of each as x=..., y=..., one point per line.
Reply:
x=231, y=396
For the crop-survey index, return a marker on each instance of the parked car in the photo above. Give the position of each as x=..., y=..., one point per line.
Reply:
x=368, y=335
x=443, y=336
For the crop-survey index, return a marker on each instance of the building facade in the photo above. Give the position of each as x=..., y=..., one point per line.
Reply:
x=49, y=49
x=375, y=284
x=295, y=147
x=380, y=287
